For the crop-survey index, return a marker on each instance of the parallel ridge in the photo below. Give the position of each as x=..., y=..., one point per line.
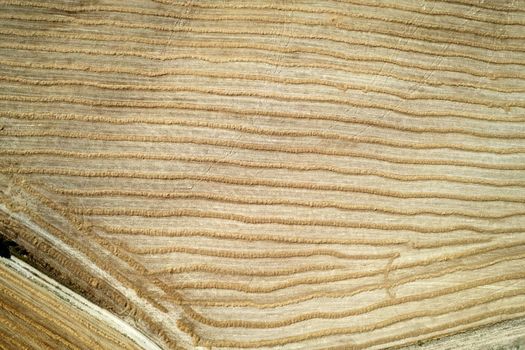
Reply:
x=39, y=315
x=338, y=174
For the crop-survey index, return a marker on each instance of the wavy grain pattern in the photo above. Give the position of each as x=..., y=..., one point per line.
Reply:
x=336, y=174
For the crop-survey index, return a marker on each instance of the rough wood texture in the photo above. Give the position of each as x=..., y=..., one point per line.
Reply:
x=307, y=174
x=507, y=335
x=37, y=313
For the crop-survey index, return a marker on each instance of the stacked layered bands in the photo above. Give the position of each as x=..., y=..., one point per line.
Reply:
x=259, y=174
x=36, y=313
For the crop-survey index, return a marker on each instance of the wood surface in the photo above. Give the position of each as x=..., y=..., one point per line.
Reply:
x=271, y=174
x=38, y=313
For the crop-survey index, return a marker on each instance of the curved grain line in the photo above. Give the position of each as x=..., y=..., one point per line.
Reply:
x=222, y=6
x=264, y=165
x=344, y=27
x=368, y=327
x=509, y=311
x=174, y=105
x=41, y=326
x=189, y=16
x=288, y=221
x=273, y=201
x=480, y=5
x=279, y=97
x=452, y=242
x=15, y=328
x=58, y=307
x=436, y=12
x=82, y=227
x=219, y=108
x=284, y=115
x=243, y=76
x=251, y=182
x=425, y=38
x=268, y=148
x=356, y=311
x=312, y=50
x=269, y=288
x=207, y=268
x=247, y=236
x=261, y=60
x=282, y=133
x=235, y=254
x=357, y=290
x=174, y=71
x=250, y=288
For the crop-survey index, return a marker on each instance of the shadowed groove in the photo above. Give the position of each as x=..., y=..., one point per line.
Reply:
x=268, y=175
x=42, y=326
x=250, y=288
x=258, y=59
x=171, y=105
x=170, y=71
x=293, y=116
x=215, y=108
x=376, y=5
x=296, y=167
x=221, y=142
x=272, y=201
x=354, y=291
x=186, y=29
x=358, y=311
x=278, y=220
x=245, y=236
x=170, y=14
x=244, y=272
x=513, y=312
x=367, y=327
x=261, y=147
x=169, y=88
x=252, y=182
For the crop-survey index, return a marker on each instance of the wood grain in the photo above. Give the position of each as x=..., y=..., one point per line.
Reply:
x=308, y=174
x=38, y=313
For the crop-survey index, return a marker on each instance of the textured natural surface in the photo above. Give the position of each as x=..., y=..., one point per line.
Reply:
x=306, y=174
x=37, y=313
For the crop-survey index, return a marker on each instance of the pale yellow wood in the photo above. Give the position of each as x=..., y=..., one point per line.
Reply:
x=271, y=174
x=508, y=335
x=38, y=313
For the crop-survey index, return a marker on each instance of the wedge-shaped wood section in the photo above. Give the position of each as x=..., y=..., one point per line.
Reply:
x=256, y=174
